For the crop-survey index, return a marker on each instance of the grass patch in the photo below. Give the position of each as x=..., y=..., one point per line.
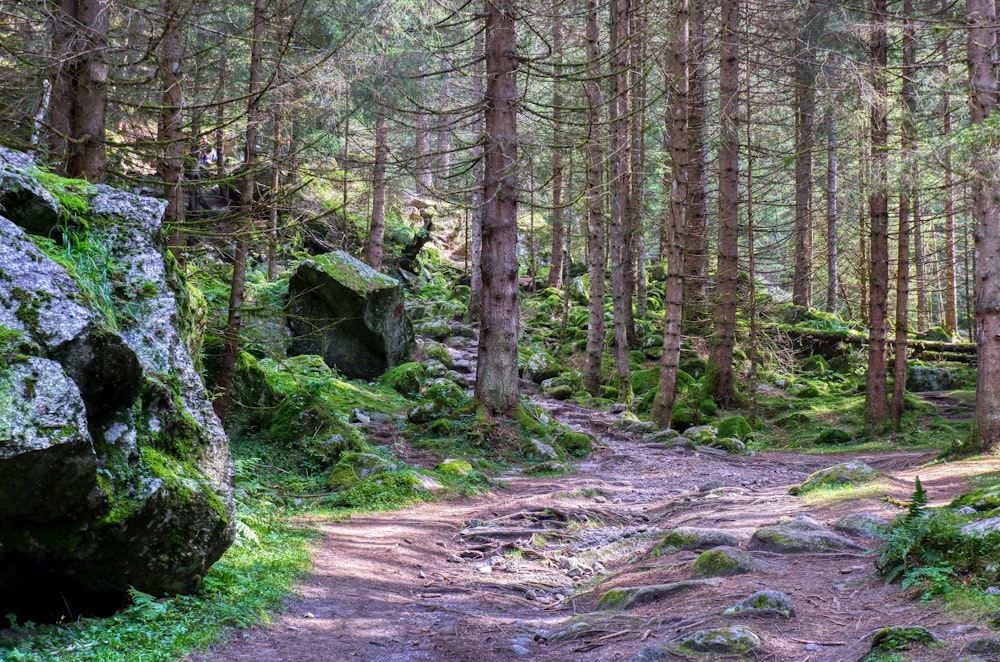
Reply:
x=826, y=496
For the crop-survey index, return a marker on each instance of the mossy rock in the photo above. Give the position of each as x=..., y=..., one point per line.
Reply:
x=424, y=412
x=438, y=352
x=436, y=329
x=626, y=598
x=723, y=561
x=406, y=378
x=935, y=334
x=832, y=437
x=800, y=535
x=734, y=641
x=441, y=427
x=695, y=367
x=687, y=537
x=353, y=467
x=736, y=427
x=609, y=392
x=449, y=395
x=685, y=382
x=846, y=473
x=983, y=499
x=764, y=603
x=804, y=389
x=577, y=444
x=890, y=640
x=636, y=359
x=644, y=381
x=455, y=467
x=538, y=363
x=559, y=392
x=534, y=450
x=728, y=444
x=684, y=417
x=701, y=434
x=386, y=490
x=815, y=365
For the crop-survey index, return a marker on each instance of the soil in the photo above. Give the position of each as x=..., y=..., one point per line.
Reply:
x=503, y=576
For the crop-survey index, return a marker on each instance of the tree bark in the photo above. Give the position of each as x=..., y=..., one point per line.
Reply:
x=805, y=113
x=983, y=101
x=595, y=207
x=951, y=282
x=376, y=234
x=832, y=210
x=496, y=374
x=727, y=268
x=80, y=86
x=476, y=231
x=620, y=182
x=171, y=126
x=876, y=402
x=555, y=276
x=906, y=195
x=696, y=235
x=680, y=152
x=234, y=321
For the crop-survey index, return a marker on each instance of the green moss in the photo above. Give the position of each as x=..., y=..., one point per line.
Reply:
x=578, y=444
x=183, y=479
x=615, y=598
x=72, y=194
x=721, y=562
x=735, y=427
x=832, y=436
x=529, y=421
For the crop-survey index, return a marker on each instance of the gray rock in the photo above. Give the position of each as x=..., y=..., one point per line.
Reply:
x=350, y=314
x=801, y=535
x=989, y=646
x=626, y=598
x=845, y=473
x=764, y=603
x=723, y=561
x=863, y=525
x=736, y=640
x=982, y=527
x=922, y=378
x=102, y=404
x=652, y=654
x=689, y=537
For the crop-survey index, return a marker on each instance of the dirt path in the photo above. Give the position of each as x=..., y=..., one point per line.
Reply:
x=504, y=576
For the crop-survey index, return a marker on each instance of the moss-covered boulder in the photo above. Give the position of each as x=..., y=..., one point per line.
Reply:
x=832, y=437
x=538, y=364
x=407, y=378
x=983, y=499
x=921, y=378
x=800, y=535
x=348, y=313
x=354, y=467
x=735, y=427
x=577, y=444
x=723, y=561
x=438, y=352
x=735, y=641
x=855, y=472
x=689, y=537
x=114, y=470
x=764, y=603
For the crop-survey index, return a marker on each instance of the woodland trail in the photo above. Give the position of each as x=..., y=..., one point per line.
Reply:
x=512, y=574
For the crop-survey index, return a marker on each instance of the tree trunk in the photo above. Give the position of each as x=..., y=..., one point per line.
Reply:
x=275, y=195
x=442, y=173
x=986, y=213
x=423, y=174
x=558, y=211
x=876, y=402
x=728, y=262
x=476, y=241
x=80, y=86
x=595, y=207
x=376, y=234
x=618, y=173
x=680, y=152
x=906, y=196
x=171, y=126
x=234, y=321
x=496, y=374
x=832, y=211
x=696, y=236
x=950, y=280
x=805, y=113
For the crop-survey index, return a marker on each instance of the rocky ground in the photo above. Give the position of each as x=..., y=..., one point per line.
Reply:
x=520, y=572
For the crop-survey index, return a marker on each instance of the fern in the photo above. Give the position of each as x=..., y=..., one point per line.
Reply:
x=919, y=501
x=146, y=606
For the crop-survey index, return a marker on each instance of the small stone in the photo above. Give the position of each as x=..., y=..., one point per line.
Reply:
x=484, y=569
x=992, y=590
x=966, y=510
x=600, y=499
x=308, y=614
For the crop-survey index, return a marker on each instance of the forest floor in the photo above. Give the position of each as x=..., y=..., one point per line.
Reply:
x=514, y=573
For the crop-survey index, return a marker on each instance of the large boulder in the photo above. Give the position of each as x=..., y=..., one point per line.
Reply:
x=114, y=470
x=350, y=314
